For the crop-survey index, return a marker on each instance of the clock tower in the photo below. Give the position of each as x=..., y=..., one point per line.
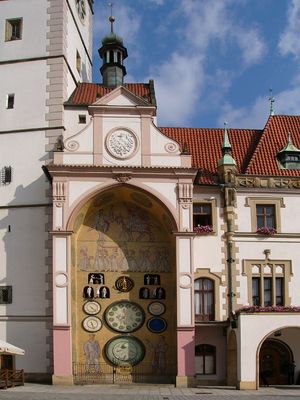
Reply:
x=45, y=50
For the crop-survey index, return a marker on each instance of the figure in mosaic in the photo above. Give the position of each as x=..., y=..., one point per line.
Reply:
x=92, y=354
x=159, y=355
x=84, y=259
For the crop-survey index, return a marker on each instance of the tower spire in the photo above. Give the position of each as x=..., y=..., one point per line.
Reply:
x=112, y=53
x=226, y=158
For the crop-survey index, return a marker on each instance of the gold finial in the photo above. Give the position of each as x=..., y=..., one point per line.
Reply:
x=111, y=18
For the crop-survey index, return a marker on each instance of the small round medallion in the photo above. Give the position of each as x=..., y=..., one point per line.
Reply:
x=124, y=284
x=157, y=325
x=91, y=307
x=156, y=308
x=92, y=324
x=121, y=143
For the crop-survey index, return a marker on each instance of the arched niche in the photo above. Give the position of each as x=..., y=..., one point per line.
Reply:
x=123, y=236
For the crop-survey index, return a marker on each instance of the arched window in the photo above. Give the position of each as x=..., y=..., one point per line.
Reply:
x=204, y=300
x=205, y=359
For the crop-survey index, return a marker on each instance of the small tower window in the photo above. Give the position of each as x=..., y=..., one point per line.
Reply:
x=13, y=29
x=82, y=119
x=10, y=101
x=119, y=57
x=5, y=175
x=111, y=56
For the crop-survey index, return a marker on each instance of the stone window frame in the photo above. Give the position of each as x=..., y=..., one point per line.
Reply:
x=213, y=204
x=9, y=25
x=252, y=202
x=217, y=280
x=272, y=264
x=204, y=355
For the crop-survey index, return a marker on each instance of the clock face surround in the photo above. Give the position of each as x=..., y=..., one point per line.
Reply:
x=124, y=316
x=92, y=324
x=91, y=307
x=124, y=350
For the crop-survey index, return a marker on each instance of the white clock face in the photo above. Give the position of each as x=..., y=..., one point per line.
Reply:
x=91, y=307
x=124, y=316
x=125, y=350
x=81, y=10
x=121, y=144
x=92, y=324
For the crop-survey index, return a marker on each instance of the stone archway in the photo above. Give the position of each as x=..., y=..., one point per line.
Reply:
x=124, y=254
x=275, y=362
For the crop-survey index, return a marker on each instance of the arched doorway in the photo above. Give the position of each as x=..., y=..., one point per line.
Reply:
x=275, y=362
x=123, y=285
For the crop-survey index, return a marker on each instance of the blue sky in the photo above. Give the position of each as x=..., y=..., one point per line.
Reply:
x=211, y=60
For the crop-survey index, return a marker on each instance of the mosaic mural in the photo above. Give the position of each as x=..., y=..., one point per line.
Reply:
x=122, y=237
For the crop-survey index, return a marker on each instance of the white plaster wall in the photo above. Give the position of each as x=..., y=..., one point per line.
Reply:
x=243, y=220
x=290, y=215
x=281, y=249
x=23, y=257
x=252, y=330
x=30, y=336
x=75, y=44
x=27, y=81
x=81, y=133
x=24, y=152
x=78, y=188
x=165, y=160
x=168, y=190
x=159, y=140
x=33, y=42
x=78, y=159
x=85, y=27
x=208, y=252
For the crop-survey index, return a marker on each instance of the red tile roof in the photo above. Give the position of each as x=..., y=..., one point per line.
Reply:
x=205, y=146
x=274, y=139
x=254, y=151
x=87, y=93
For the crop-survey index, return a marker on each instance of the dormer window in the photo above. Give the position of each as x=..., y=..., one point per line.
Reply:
x=289, y=156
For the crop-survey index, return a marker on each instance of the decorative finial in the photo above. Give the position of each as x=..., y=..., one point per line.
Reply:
x=111, y=18
x=272, y=101
x=289, y=138
x=226, y=147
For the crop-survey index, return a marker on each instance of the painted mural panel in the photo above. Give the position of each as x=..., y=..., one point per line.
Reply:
x=123, y=256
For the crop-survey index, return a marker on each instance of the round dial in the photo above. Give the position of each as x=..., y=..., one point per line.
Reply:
x=124, y=316
x=81, y=10
x=91, y=307
x=124, y=350
x=121, y=143
x=92, y=324
x=156, y=308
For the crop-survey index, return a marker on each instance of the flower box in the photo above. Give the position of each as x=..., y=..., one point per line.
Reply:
x=266, y=231
x=267, y=309
x=203, y=229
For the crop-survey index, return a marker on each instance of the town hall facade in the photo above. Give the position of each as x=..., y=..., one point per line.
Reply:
x=131, y=251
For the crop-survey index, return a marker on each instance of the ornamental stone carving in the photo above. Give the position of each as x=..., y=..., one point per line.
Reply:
x=59, y=193
x=122, y=178
x=268, y=182
x=185, y=192
x=121, y=143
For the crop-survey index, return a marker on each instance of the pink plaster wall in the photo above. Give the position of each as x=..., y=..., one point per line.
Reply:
x=186, y=352
x=62, y=352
